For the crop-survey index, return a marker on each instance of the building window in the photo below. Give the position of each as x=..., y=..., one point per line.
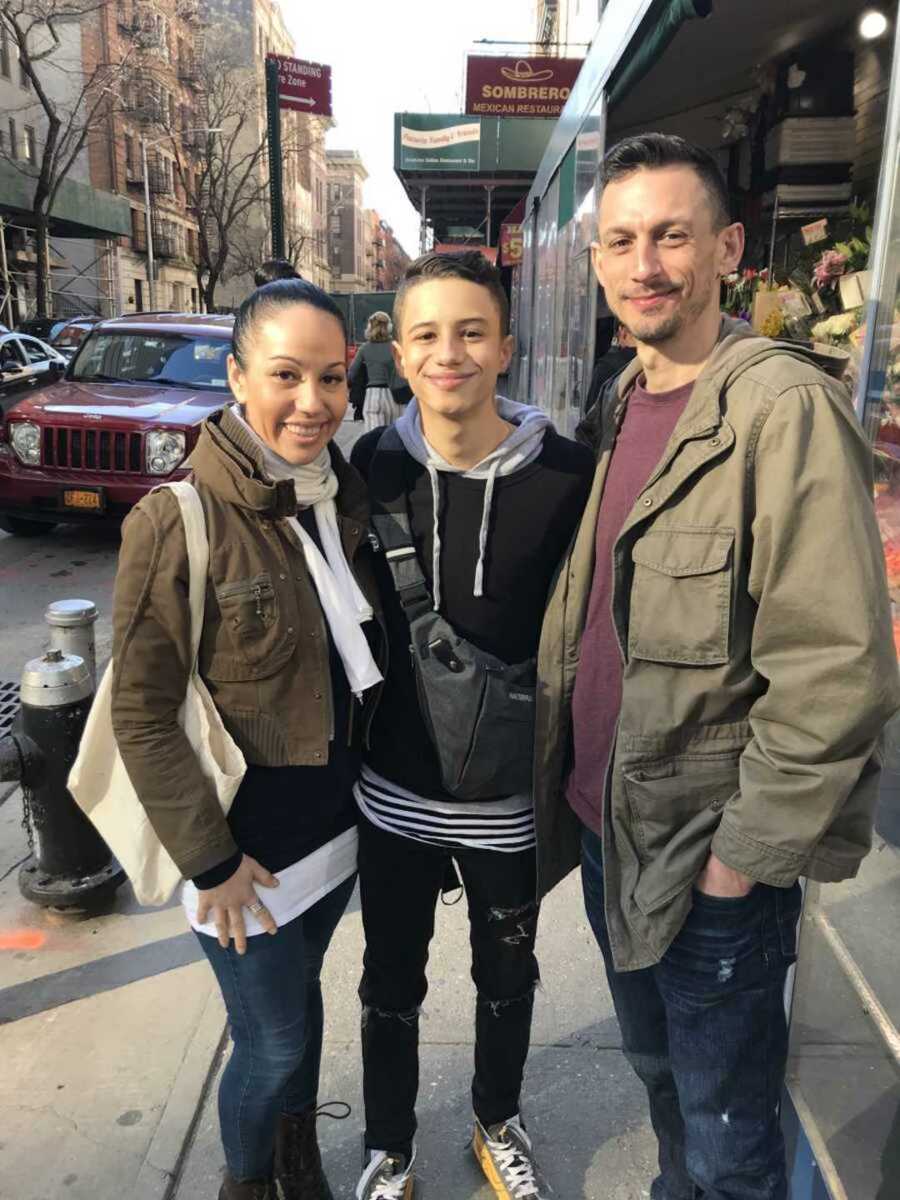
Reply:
x=4, y=52
x=194, y=305
x=24, y=80
x=139, y=293
x=13, y=139
x=130, y=160
x=30, y=145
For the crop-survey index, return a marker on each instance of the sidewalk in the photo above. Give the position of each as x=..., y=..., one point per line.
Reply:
x=108, y=1028
x=584, y=1107
x=111, y=1028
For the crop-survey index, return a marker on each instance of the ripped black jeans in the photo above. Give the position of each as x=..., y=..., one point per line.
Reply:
x=400, y=880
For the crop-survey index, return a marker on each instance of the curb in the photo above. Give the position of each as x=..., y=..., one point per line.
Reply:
x=158, y=1175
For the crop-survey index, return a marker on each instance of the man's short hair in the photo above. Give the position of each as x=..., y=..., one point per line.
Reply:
x=470, y=265
x=652, y=151
x=275, y=268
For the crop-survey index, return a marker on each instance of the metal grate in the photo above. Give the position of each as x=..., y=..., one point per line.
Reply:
x=93, y=450
x=9, y=706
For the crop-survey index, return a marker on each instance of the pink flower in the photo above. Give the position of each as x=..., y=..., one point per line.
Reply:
x=829, y=269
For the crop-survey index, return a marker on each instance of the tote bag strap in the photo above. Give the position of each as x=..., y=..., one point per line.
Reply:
x=197, y=543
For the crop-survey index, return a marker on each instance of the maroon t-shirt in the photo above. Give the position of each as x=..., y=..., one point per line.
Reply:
x=649, y=421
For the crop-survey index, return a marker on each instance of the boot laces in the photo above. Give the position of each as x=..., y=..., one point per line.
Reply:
x=514, y=1160
x=387, y=1185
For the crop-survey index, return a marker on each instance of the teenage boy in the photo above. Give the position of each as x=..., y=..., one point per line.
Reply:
x=716, y=669
x=490, y=496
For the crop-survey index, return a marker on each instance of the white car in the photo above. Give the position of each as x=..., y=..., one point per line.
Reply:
x=25, y=363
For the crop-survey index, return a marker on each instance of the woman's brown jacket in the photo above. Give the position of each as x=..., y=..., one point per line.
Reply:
x=264, y=649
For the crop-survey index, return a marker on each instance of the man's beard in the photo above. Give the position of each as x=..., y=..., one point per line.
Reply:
x=652, y=332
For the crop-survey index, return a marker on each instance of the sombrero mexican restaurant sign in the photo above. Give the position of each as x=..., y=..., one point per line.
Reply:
x=519, y=87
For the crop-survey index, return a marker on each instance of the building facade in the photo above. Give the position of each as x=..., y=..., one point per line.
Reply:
x=80, y=253
x=347, y=221
x=153, y=124
x=396, y=260
x=564, y=27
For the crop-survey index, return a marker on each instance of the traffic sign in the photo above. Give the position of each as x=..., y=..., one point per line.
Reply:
x=303, y=86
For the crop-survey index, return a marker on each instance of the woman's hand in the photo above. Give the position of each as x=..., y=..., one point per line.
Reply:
x=225, y=904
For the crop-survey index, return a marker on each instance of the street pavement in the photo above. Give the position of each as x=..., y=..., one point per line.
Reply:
x=112, y=1030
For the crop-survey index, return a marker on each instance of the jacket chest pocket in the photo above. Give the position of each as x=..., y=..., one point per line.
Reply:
x=680, y=608
x=250, y=617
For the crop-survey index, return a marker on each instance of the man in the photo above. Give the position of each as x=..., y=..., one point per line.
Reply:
x=715, y=671
x=488, y=497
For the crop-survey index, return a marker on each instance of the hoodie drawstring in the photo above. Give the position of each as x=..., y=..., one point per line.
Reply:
x=435, y=537
x=485, y=527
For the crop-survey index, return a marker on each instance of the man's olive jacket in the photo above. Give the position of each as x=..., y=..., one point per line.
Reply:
x=753, y=618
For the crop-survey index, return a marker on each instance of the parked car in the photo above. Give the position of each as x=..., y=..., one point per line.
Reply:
x=68, y=335
x=123, y=420
x=26, y=362
x=39, y=327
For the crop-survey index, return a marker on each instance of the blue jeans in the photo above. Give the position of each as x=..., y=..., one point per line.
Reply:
x=706, y=1033
x=274, y=1002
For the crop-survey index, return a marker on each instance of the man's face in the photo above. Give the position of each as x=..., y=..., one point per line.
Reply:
x=450, y=346
x=659, y=256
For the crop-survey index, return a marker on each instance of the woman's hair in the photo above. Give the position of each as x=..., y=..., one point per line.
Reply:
x=275, y=268
x=266, y=300
x=379, y=327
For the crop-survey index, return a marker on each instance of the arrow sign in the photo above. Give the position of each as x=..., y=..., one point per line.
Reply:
x=303, y=86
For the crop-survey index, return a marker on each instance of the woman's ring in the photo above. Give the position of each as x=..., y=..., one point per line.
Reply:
x=256, y=908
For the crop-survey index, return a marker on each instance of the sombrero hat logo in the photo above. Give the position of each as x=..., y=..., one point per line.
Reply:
x=524, y=72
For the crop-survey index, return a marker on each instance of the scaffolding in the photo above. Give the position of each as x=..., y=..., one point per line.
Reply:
x=90, y=286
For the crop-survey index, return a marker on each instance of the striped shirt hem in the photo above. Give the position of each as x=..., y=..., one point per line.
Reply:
x=505, y=825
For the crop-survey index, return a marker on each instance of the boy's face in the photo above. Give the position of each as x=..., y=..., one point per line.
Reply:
x=450, y=347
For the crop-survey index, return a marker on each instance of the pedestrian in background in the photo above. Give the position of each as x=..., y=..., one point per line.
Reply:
x=715, y=673
x=372, y=375
x=275, y=268
x=287, y=663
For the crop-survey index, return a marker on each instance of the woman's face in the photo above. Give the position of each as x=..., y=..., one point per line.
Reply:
x=293, y=385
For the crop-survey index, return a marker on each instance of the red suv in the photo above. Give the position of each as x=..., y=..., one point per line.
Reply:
x=123, y=420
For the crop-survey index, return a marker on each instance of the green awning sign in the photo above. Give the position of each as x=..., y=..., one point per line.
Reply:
x=439, y=143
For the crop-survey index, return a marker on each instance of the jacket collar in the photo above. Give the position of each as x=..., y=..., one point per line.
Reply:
x=227, y=460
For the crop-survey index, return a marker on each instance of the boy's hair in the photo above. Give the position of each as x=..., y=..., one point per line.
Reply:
x=275, y=268
x=281, y=293
x=470, y=265
x=652, y=151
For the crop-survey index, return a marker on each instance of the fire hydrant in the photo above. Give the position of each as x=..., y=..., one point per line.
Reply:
x=70, y=866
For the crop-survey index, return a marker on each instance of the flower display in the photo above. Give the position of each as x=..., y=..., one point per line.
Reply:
x=828, y=270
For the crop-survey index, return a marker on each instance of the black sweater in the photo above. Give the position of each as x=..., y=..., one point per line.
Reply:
x=534, y=515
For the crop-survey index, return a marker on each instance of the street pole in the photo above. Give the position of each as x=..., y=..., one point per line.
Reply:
x=276, y=172
x=151, y=286
x=490, y=195
x=423, y=224
x=4, y=267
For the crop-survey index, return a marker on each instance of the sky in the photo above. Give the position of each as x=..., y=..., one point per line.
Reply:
x=397, y=56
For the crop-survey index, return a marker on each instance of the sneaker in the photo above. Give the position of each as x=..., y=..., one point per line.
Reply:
x=387, y=1177
x=505, y=1154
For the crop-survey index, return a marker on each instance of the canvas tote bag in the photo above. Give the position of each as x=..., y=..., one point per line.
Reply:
x=99, y=781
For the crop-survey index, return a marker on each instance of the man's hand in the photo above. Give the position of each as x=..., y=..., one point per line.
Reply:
x=718, y=880
x=225, y=904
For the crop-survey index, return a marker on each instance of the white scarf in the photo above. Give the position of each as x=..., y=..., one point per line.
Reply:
x=520, y=448
x=343, y=603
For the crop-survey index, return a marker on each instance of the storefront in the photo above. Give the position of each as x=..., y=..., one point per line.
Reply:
x=801, y=104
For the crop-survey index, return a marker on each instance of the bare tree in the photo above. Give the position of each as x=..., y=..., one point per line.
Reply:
x=226, y=178
x=70, y=113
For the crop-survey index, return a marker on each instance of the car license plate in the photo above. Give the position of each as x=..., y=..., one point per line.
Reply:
x=83, y=498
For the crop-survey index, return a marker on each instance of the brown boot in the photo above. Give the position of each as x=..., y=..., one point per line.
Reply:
x=247, y=1189
x=298, y=1165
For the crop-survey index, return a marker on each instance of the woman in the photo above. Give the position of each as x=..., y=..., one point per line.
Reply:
x=285, y=656
x=372, y=375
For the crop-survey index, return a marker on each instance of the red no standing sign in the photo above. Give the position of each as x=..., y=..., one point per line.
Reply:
x=303, y=86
